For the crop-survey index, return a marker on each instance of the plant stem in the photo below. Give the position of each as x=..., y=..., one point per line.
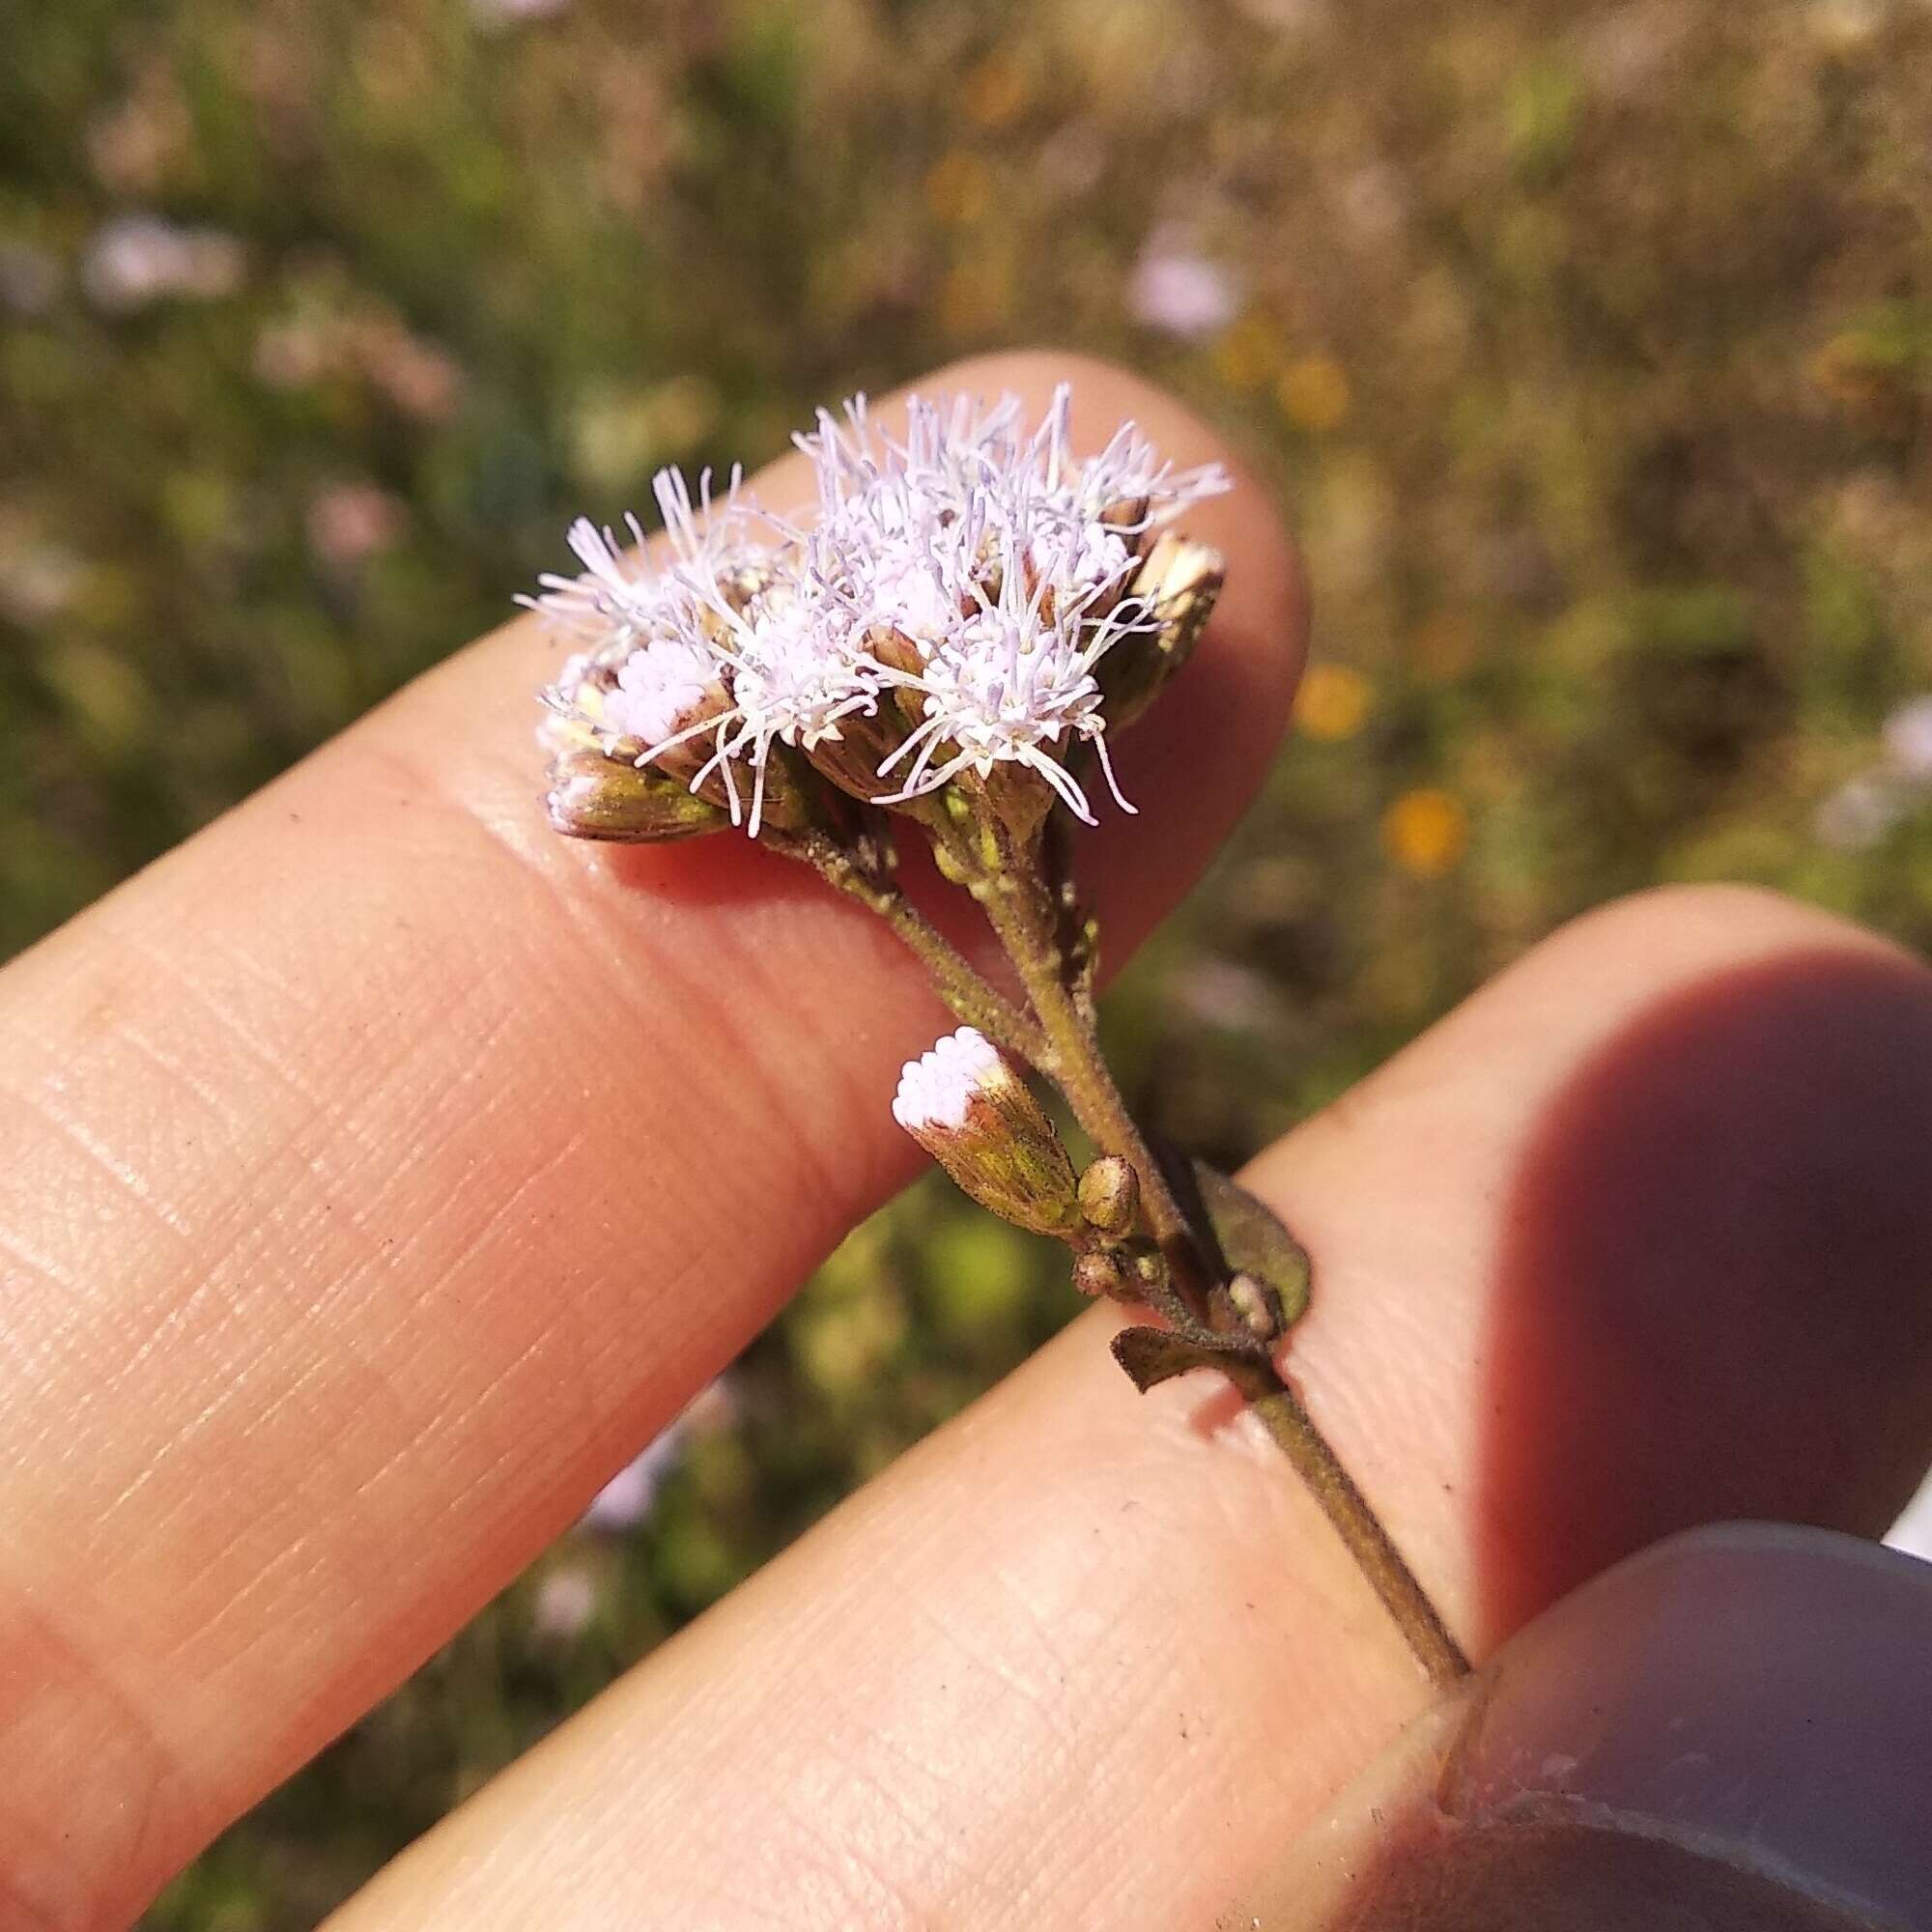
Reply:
x=958, y=984
x=1023, y=913
x=1361, y=1530
x=1026, y=921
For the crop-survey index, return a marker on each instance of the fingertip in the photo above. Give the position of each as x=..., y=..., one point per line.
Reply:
x=1757, y=1688
x=1731, y=1729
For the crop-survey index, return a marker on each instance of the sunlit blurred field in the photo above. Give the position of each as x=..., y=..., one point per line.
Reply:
x=1589, y=348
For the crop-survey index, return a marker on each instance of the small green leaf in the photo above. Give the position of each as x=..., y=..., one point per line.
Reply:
x=1249, y=1234
x=1152, y=1356
x=1254, y=1241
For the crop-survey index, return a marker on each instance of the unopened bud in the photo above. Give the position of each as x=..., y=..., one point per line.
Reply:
x=1258, y=1305
x=1110, y=1195
x=966, y=1106
x=1176, y=585
x=1101, y=1272
x=595, y=797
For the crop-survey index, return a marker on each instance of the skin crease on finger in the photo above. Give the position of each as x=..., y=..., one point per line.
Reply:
x=382, y=1168
x=1088, y=1658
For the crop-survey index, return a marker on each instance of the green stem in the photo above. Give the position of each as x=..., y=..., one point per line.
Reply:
x=1362, y=1531
x=963, y=989
x=1024, y=914
x=1026, y=920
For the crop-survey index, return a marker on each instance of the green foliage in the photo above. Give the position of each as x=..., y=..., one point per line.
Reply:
x=1588, y=347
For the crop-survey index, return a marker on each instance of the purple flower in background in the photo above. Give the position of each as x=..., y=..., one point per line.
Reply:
x=626, y=1499
x=1908, y=740
x=505, y=13
x=350, y=523
x=136, y=260
x=1180, y=291
x=1859, y=813
x=566, y=1602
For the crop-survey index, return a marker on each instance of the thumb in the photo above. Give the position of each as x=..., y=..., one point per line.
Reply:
x=1729, y=1731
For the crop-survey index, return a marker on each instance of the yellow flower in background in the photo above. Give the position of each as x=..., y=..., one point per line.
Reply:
x=1333, y=703
x=1313, y=393
x=1426, y=832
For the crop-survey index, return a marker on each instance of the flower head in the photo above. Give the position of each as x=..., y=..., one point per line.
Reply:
x=1014, y=684
x=945, y=613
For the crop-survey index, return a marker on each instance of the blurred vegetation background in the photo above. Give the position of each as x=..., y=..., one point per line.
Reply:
x=1590, y=347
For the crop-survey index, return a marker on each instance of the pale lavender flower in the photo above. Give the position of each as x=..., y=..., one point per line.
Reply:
x=917, y=594
x=627, y=1498
x=505, y=13
x=615, y=599
x=1015, y=683
x=661, y=687
x=796, y=662
x=1015, y=552
x=1908, y=740
x=38, y=580
x=965, y=1105
x=1180, y=291
x=1860, y=813
x=566, y=1602
x=1295, y=17
x=646, y=665
x=350, y=523
x=998, y=558
x=139, y=258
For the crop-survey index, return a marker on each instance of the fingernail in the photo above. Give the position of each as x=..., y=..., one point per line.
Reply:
x=1731, y=1730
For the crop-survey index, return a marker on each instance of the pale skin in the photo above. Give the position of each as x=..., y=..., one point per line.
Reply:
x=362, y=1155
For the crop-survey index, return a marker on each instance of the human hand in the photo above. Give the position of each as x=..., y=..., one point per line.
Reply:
x=337, y=1284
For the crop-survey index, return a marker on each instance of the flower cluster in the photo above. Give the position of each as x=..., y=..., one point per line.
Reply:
x=951, y=632
x=971, y=604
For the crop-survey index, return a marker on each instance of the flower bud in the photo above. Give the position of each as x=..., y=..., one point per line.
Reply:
x=966, y=1106
x=1101, y=1272
x=1110, y=1195
x=594, y=797
x=1177, y=584
x=1257, y=1306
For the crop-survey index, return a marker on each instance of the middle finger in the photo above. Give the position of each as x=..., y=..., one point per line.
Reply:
x=1087, y=1659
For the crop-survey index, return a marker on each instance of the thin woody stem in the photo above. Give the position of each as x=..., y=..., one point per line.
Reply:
x=1019, y=904
x=1020, y=912
x=958, y=984
x=1361, y=1530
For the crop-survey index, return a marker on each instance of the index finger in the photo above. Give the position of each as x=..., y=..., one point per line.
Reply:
x=382, y=1169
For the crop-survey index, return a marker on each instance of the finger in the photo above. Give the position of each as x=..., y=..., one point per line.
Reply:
x=1731, y=1730
x=1086, y=1658
x=382, y=1168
